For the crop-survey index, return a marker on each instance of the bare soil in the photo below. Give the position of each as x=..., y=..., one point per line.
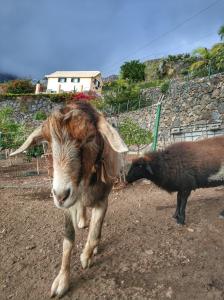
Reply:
x=144, y=254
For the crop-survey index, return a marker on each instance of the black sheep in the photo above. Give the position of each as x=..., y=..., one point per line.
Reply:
x=182, y=167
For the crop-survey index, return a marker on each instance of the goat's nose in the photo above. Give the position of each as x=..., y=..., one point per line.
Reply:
x=62, y=196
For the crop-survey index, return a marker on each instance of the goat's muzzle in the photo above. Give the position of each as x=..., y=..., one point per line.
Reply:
x=61, y=196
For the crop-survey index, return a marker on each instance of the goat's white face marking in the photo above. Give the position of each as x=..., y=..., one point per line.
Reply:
x=66, y=165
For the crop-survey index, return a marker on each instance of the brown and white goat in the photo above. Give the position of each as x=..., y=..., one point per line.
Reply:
x=85, y=151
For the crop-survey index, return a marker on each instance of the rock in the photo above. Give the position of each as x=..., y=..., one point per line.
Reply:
x=149, y=252
x=31, y=247
x=169, y=293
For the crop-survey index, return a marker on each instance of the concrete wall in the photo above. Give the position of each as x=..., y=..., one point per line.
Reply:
x=68, y=86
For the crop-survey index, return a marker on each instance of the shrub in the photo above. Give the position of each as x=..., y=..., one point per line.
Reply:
x=133, y=134
x=165, y=87
x=88, y=96
x=40, y=115
x=35, y=151
x=123, y=98
x=12, y=133
x=20, y=87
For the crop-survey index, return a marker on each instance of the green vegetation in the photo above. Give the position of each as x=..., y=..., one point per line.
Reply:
x=19, y=87
x=221, y=32
x=133, y=70
x=12, y=134
x=35, y=151
x=165, y=87
x=121, y=95
x=40, y=116
x=208, y=60
x=133, y=134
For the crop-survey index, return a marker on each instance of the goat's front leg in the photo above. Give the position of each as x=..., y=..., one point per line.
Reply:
x=81, y=215
x=98, y=213
x=61, y=282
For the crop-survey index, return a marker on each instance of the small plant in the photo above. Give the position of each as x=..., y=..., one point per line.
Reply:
x=83, y=96
x=12, y=133
x=40, y=116
x=165, y=87
x=35, y=152
x=133, y=134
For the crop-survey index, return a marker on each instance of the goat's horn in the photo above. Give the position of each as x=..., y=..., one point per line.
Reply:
x=33, y=138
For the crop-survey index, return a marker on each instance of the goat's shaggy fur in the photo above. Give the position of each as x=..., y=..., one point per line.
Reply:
x=85, y=156
x=183, y=167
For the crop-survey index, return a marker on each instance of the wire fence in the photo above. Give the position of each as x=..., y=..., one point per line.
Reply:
x=142, y=111
x=141, y=101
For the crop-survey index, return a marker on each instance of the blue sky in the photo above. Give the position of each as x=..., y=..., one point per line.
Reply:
x=40, y=37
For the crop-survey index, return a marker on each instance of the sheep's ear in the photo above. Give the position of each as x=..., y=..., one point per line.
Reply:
x=148, y=168
x=33, y=138
x=111, y=136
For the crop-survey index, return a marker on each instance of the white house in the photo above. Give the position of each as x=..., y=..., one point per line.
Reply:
x=74, y=81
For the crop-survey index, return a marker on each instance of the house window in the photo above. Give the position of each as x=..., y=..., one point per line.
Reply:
x=75, y=79
x=97, y=83
x=62, y=79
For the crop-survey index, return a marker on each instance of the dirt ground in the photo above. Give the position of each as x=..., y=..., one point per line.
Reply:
x=143, y=254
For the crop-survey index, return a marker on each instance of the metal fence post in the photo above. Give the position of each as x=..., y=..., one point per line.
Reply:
x=156, y=128
x=209, y=69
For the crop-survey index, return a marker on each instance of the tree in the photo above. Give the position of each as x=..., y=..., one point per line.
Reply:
x=213, y=58
x=204, y=56
x=133, y=70
x=217, y=54
x=133, y=134
x=20, y=87
x=221, y=32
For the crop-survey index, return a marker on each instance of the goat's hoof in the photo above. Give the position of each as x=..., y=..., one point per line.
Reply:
x=60, y=285
x=82, y=223
x=86, y=262
x=95, y=251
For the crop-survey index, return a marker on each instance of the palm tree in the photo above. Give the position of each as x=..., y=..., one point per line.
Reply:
x=204, y=59
x=217, y=54
x=221, y=32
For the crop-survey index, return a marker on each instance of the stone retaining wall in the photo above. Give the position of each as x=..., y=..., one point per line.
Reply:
x=195, y=102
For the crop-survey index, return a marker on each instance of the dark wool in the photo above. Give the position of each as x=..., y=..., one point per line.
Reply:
x=183, y=167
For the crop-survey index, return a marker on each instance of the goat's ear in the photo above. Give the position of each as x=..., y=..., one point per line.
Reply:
x=111, y=135
x=35, y=137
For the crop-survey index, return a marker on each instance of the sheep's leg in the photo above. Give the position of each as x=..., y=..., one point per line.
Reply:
x=61, y=282
x=98, y=213
x=181, y=216
x=81, y=215
x=177, y=212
